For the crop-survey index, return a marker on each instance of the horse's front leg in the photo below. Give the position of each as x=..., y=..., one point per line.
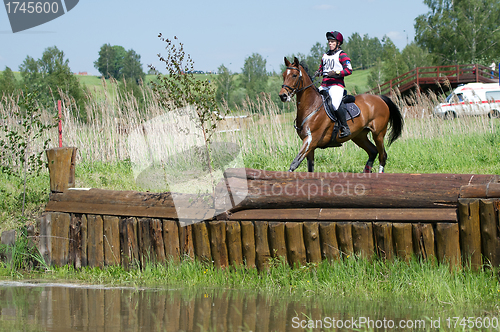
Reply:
x=310, y=161
x=307, y=147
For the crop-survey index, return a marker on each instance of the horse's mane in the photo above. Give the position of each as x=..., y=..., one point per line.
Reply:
x=306, y=68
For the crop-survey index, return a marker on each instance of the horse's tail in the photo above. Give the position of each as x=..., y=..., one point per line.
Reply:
x=395, y=119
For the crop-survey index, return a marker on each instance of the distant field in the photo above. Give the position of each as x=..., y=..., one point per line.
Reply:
x=355, y=83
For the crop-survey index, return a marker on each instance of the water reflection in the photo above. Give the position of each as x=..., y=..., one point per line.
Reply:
x=63, y=307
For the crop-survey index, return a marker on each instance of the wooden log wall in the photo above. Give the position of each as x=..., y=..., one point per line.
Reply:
x=101, y=240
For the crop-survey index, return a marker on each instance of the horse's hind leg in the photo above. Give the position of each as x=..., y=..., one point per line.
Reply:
x=363, y=142
x=382, y=154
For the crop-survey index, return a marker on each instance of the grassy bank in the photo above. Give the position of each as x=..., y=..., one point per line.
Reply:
x=351, y=278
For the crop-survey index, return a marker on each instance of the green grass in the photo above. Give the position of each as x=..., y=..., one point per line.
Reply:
x=374, y=280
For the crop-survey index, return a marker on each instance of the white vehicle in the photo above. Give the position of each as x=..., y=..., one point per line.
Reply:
x=471, y=99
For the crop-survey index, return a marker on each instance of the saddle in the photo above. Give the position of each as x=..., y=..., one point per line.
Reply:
x=353, y=111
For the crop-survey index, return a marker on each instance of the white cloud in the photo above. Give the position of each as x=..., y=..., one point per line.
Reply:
x=395, y=35
x=324, y=7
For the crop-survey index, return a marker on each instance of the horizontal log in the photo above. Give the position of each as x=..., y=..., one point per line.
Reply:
x=267, y=189
x=488, y=190
x=369, y=214
x=132, y=204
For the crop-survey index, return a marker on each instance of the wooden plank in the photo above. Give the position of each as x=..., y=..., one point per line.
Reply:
x=218, y=246
x=344, y=238
x=382, y=235
x=277, y=242
x=202, y=242
x=470, y=232
x=171, y=240
x=84, y=231
x=248, y=243
x=402, y=236
x=424, y=245
x=75, y=244
x=60, y=238
x=448, y=245
x=490, y=237
x=61, y=162
x=312, y=242
x=95, y=250
x=146, y=252
x=328, y=237
x=296, y=250
x=262, y=252
x=128, y=210
x=157, y=240
x=186, y=244
x=362, y=239
x=111, y=240
x=360, y=214
x=234, y=247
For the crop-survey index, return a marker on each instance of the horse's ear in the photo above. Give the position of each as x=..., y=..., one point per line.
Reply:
x=287, y=63
x=296, y=62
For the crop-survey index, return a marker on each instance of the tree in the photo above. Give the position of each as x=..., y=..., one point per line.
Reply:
x=115, y=61
x=224, y=83
x=254, y=75
x=363, y=52
x=8, y=82
x=460, y=31
x=51, y=74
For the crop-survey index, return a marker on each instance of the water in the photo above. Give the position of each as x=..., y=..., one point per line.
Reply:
x=31, y=306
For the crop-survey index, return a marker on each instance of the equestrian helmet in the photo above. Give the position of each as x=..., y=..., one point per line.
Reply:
x=335, y=35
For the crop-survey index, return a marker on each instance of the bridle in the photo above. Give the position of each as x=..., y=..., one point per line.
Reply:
x=295, y=91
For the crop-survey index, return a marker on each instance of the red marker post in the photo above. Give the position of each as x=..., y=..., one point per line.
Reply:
x=60, y=123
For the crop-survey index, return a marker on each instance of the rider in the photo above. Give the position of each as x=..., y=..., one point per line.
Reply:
x=335, y=65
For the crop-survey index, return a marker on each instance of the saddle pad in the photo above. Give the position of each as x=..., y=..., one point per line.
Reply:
x=352, y=111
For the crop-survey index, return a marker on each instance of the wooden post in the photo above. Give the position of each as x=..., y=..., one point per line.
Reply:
x=171, y=240
x=344, y=238
x=157, y=240
x=128, y=243
x=262, y=251
x=312, y=242
x=61, y=163
x=44, y=244
x=382, y=235
x=186, y=241
x=233, y=237
x=75, y=245
x=329, y=247
x=145, y=243
x=402, y=237
x=248, y=243
x=95, y=250
x=84, y=231
x=60, y=238
x=423, y=242
x=111, y=240
x=277, y=243
x=489, y=232
x=218, y=243
x=470, y=232
x=201, y=242
x=362, y=239
x=296, y=250
x=448, y=244
x=8, y=238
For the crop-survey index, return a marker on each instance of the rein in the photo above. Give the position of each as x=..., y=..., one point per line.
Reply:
x=296, y=90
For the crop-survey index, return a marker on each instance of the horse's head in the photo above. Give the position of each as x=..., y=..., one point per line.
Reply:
x=292, y=77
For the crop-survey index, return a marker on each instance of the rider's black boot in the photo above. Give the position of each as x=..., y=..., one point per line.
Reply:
x=341, y=115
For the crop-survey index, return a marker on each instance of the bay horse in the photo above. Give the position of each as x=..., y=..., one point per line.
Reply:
x=315, y=128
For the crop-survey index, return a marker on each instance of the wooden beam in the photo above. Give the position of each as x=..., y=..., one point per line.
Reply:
x=369, y=214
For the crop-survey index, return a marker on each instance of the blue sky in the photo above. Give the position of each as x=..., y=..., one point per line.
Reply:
x=213, y=32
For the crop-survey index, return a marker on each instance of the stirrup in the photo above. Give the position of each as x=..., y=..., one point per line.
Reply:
x=344, y=132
